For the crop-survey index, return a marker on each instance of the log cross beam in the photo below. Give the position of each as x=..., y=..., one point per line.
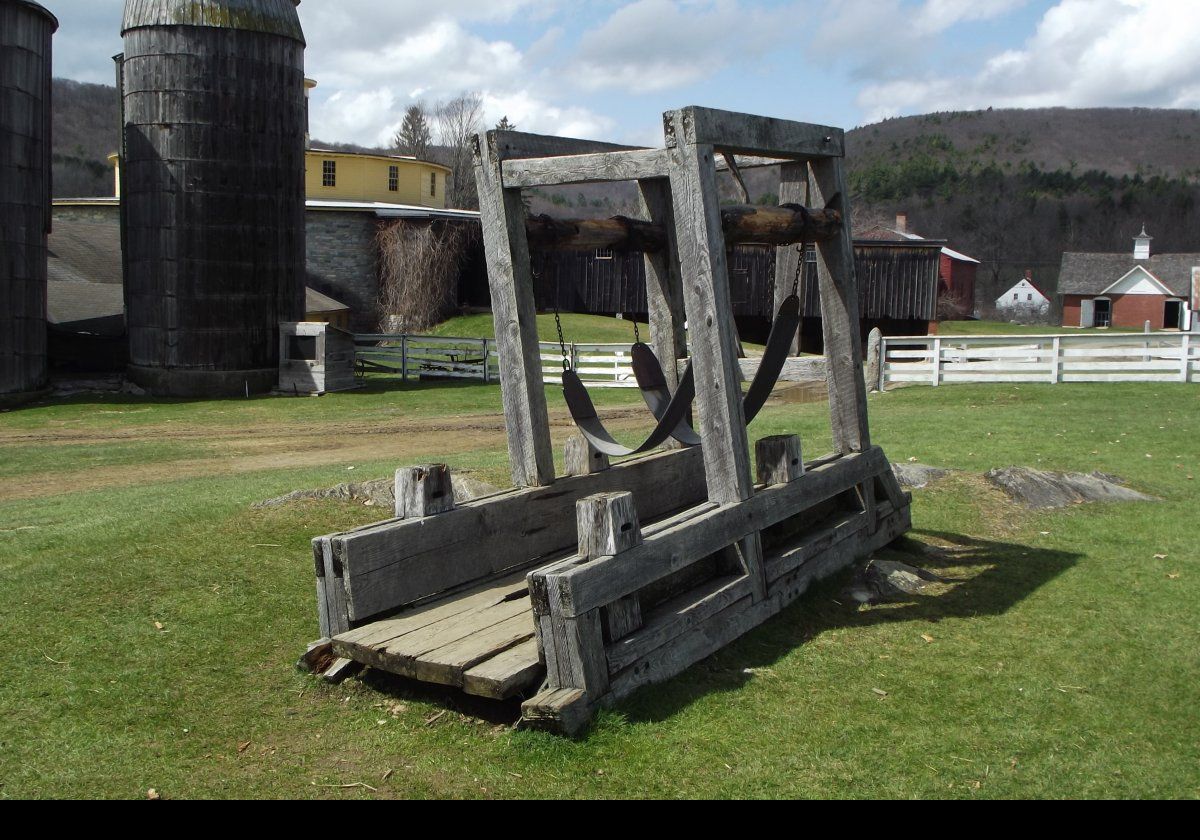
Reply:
x=741, y=224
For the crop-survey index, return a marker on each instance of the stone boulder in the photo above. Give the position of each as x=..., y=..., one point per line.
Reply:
x=1044, y=490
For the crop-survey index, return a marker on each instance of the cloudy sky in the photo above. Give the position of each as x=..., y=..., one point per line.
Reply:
x=609, y=68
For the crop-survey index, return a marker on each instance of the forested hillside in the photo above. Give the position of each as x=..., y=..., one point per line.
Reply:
x=1017, y=188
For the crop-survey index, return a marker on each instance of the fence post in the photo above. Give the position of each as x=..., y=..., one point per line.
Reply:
x=1185, y=355
x=404, y=358
x=937, y=362
x=485, y=361
x=874, y=361
x=1056, y=362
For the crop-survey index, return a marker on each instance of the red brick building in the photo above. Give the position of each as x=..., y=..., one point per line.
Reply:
x=1127, y=290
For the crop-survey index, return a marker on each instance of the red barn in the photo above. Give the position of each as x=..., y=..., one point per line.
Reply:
x=1127, y=290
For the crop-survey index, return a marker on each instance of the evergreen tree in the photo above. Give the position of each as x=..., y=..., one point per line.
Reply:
x=414, y=136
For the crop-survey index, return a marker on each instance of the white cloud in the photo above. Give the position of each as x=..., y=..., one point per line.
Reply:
x=882, y=38
x=363, y=89
x=1084, y=53
x=654, y=45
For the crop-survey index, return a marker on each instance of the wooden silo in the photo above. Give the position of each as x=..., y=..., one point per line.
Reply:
x=212, y=191
x=26, y=30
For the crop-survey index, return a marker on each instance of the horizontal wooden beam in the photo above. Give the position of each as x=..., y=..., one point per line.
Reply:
x=751, y=135
x=742, y=224
x=701, y=629
x=507, y=145
x=632, y=165
x=600, y=167
x=583, y=585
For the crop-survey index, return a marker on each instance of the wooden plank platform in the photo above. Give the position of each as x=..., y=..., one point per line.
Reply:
x=481, y=641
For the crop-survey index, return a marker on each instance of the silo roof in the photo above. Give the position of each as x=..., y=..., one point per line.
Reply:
x=273, y=17
x=36, y=7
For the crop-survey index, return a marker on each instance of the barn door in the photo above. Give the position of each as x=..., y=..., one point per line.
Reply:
x=1087, y=313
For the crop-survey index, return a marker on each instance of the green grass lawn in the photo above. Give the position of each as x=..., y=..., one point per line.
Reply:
x=577, y=329
x=151, y=626
x=1005, y=328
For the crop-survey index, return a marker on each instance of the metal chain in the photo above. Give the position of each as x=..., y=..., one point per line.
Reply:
x=562, y=341
x=637, y=336
x=800, y=255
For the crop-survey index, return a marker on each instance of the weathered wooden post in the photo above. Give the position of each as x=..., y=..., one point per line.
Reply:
x=582, y=458
x=779, y=459
x=423, y=491
x=875, y=360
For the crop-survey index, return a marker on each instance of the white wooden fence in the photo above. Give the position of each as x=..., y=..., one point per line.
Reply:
x=1132, y=357
x=446, y=357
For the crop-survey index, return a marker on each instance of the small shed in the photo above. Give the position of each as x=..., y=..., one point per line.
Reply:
x=315, y=358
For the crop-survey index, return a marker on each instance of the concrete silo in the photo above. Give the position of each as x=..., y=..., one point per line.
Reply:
x=212, y=190
x=26, y=30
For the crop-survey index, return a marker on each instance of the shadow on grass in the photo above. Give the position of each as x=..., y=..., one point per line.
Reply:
x=987, y=578
x=497, y=712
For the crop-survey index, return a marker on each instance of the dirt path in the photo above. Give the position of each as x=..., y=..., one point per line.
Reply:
x=238, y=450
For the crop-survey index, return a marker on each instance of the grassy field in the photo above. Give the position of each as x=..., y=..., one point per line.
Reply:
x=152, y=616
x=1006, y=328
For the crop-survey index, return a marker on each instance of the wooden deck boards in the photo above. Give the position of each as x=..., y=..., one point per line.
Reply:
x=481, y=641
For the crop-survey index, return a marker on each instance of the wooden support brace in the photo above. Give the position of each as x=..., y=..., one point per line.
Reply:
x=608, y=524
x=779, y=459
x=582, y=458
x=423, y=491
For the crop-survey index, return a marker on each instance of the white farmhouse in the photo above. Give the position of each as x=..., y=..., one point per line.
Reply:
x=1024, y=298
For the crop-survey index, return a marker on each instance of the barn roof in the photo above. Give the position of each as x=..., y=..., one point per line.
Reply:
x=85, y=251
x=1091, y=274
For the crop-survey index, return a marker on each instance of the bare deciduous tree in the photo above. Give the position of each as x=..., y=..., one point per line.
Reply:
x=458, y=121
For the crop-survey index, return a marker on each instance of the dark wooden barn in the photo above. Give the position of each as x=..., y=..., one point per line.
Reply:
x=26, y=31
x=212, y=187
x=898, y=287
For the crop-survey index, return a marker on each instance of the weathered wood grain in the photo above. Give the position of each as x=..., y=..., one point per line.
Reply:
x=448, y=664
x=664, y=283
x=840, y=316
x=563, y=711
x=515, y=314
x=741, y=224
x=631, y=165
x=576, y=587
x=779, y=459
x=423, y=491
x=398, y=562
x=511, y=673
x=710, y=320
x=752, y=135
x=607, y=524
x=581, y=458
x=793, y=189
x=703, y=638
